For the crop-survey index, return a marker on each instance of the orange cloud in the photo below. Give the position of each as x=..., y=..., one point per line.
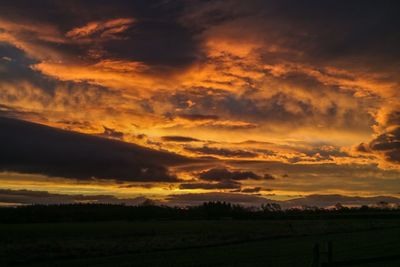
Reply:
x=106, y=29
x=117, y=74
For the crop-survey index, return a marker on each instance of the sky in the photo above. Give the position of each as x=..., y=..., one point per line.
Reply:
x=190, y=101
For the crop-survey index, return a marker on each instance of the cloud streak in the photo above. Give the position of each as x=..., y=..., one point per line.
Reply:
x=105, y=29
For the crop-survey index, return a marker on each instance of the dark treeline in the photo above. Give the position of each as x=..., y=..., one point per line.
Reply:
x=206, y=211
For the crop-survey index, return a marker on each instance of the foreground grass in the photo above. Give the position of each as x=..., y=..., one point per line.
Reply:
x=194, y=243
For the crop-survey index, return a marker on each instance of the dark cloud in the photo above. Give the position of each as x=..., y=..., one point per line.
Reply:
x=327, y=31
x=174, y=138
x=198, y=117
x=387, y=142
x=268, y=177
x=221, y=152
x=33, y=148
x=283, y=108
x=17, y=69
x=111, y=133
x=156, y=22
x=179, y=48
x=210, y=186
x=222, y=174
x=75, y=124
x=324, y=152
x=139, y=185
x=19, y=197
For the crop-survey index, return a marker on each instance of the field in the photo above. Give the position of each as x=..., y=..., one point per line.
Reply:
x=197, y=243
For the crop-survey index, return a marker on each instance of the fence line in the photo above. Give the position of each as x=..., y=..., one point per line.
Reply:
x=330, y=262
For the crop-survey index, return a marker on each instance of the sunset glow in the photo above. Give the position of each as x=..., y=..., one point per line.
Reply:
x=178, y=101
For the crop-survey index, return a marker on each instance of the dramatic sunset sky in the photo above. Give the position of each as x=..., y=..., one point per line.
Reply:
x=189, y=101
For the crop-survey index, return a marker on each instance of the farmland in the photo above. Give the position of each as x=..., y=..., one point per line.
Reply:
x=222, y=242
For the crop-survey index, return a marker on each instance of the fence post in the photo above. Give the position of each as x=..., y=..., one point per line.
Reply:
x=330, y=253
x=315, y=261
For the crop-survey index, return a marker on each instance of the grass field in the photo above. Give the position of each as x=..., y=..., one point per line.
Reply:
x=196, y=243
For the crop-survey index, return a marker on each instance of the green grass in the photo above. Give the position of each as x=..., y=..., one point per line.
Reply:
x=194, y=243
